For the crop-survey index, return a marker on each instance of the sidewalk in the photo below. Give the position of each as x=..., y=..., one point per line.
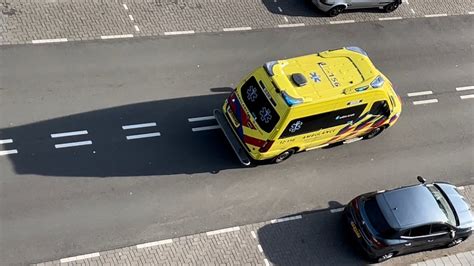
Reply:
x=310, y=238
x=47, y=21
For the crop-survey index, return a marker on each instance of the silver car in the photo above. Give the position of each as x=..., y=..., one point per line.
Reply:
x=335, y=7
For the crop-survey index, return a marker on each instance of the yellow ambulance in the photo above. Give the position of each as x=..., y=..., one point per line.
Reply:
x=307, y=102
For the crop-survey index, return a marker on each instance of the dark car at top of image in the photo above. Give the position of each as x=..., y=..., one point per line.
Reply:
x=335, y=7
x=409, y=219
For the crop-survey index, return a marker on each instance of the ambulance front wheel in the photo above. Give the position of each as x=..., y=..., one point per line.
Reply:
x=283, y=156
x=375, y=132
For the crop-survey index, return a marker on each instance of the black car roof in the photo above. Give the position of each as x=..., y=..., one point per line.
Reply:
x=409, y=207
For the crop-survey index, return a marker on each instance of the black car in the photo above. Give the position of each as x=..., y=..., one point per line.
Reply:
x=409, y=219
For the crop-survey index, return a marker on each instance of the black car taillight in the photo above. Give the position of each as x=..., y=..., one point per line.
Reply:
x=376, y=242
x=266, y=146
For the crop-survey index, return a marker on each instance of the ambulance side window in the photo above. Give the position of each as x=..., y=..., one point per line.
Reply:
x=317, y=122
x=380, y=108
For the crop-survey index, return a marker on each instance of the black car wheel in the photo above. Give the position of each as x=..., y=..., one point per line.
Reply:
x=375, y=132
x=385, y=257
x=391, y=7
x=283, y=156
x=335, y=11
x=455, y=242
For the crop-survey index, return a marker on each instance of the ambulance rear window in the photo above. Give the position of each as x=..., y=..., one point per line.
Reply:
x=259, y=106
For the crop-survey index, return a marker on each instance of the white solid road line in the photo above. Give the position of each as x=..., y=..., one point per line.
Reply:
x=179, y=32
x=81, y=257
x=342, y=21
x=203, y=118
x=68, y=134
x=391, y=18
x=73, y=144
x=291, y=25
x=436, y=15
x=280, y=220
x=49, y=40
x=151, y=124
x=142, y=136
x=106, y=37
x=337, y=210
x=226, y=230
x=155, y=243
x=466, y=88
x=420, y=93
x=471, y=12
x=237, y=29
x=2, y=153
x=425, y=101
x=5, y=141
x=470, y=96
x=196, y=129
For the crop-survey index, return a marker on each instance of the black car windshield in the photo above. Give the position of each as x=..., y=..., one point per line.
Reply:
x=443, y=204
x=259, y=106
x=376, y=218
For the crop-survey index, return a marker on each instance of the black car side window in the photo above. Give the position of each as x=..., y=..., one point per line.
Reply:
x=420, y=231
x=439, y=228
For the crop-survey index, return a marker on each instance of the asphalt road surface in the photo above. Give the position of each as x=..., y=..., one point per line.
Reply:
x=59, y=201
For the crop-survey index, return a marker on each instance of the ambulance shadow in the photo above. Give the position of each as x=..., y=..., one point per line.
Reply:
x=318, y=238
x=178, y=150
x=297, y=8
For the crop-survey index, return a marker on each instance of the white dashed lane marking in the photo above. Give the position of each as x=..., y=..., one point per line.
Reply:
x=291, y=25
x=436, y=15
x=391, y=18
x=196, y=129
x=137, y=28
x=202, y=118
x=73, y=144
x=155, y=243
x=466, y=88
x=5, y=141
x=337, y=210
x=49, y=41
x=342, y=21
x=81, y=257
x=142, y=136
x=151, y=124
x=7, y=152
x=425, y=102
x=279, y=9
x=69, y=134
x=179, y=32
x=280, y=220
x=125, y=6
x=420, y=93
x=107, y=37
x=469, y=96
x=237, y=29
x=131, y=17
x=221, y=231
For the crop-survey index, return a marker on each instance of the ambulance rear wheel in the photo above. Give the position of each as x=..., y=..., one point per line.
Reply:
x=283, y=156
x=375, y=132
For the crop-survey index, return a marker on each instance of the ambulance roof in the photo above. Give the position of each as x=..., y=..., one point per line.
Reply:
x=324, y=75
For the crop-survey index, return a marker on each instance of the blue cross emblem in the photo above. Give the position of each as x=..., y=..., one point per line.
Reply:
x=315, y=77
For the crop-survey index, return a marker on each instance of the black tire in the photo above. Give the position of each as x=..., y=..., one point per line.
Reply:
x=374, y=133
x=335, y=11
x=391, y=7
x=384, y=257
x=283, y=156
x=455, y=242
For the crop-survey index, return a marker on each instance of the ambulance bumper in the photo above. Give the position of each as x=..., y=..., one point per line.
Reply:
x=232, y=138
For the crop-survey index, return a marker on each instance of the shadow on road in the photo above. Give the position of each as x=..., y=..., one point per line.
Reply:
x=178, y=150
x=318, y=238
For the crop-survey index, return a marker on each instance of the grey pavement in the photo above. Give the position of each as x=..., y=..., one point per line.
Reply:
x=115, y=192
x=27, y=21
x=311, y=238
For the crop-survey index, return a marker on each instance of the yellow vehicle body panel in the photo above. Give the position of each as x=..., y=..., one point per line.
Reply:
x=310, y=101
